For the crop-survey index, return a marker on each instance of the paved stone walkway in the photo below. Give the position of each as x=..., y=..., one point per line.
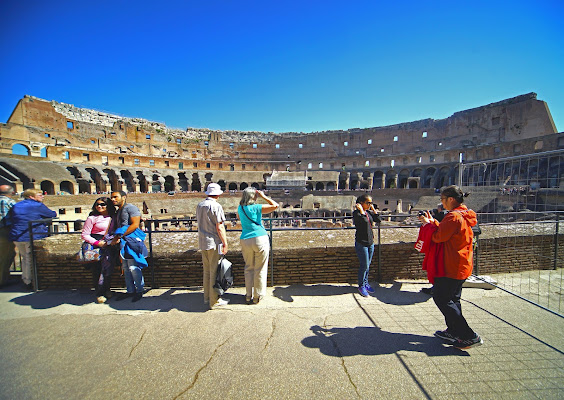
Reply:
x=321, y=341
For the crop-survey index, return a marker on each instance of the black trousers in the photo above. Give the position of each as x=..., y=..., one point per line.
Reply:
x=446, y=294
x=102, y=271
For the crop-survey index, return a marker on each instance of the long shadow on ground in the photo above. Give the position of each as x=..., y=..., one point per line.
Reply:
x=372, y=341
x=288, y=293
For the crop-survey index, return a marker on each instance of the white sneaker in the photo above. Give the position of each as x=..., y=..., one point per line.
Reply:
x=221, y=302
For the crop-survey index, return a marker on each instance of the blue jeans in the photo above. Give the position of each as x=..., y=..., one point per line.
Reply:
x=133, y=276
x=364, y=254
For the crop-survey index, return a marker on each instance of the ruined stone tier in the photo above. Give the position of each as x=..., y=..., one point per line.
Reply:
x=97, y=149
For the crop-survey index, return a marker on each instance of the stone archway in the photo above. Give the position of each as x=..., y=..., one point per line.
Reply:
x=196, y=184
x=66, y=187
x=183, y=181
x=377, y=180
x=47, y=187
x=169, y=185
x=21, y=150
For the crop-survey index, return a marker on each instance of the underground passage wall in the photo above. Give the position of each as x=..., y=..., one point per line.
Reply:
x=58, y=269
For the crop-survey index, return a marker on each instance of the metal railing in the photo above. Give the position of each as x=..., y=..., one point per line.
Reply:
x=541, y=284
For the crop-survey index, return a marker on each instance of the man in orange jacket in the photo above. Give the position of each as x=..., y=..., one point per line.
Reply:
x=455, y=232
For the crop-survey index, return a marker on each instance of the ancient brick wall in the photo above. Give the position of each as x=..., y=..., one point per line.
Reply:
x=310, y=266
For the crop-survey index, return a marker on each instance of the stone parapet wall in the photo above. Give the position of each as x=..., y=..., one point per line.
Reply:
x=310, y=265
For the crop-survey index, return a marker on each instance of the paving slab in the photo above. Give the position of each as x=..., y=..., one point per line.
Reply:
x=301, y=341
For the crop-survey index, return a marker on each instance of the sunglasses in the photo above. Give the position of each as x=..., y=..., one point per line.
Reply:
x=368, y=202
x=101, y=204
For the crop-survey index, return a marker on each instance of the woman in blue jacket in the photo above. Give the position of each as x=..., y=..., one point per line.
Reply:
x=29, y=209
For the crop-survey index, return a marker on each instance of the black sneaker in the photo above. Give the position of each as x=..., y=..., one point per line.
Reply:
x=123, y=296
x=467, y=343
x=427, y=290
x=446, y=336
x=136, y=297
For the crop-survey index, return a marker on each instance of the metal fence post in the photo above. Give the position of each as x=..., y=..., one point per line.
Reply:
x=271, y=253
x=151, y=260
x=33, y=262
x=555, y=263
x=379, y=256
x=477, y=255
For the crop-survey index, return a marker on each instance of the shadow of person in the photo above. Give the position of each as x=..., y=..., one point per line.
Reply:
x=45, y=299
x=372, y=341
x=181, y=299
x=394, y=295
x=288, y=293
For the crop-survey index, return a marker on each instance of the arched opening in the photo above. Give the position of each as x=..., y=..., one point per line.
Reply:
x=97, y=179
x=232, y=186
x=391, y=181
x=183, y=181
x=319, y=186
x=429, y=174
x=20, y=150
x=83, y=187
x=221, y=184
x=47, y=187
x=377, y=180
x=67, y=187
x=402, y=178
x=444, y=178
x=128, y=180
x=143, y=184
x=331, y=186
x=255, y=185
x=243, y=185
x=114, y=180
x=196, y=184
x=309, y=186
x=209, y=177
x=169, y=184
x=156, y=184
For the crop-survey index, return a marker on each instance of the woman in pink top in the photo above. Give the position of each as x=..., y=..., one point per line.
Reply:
x=95, y=228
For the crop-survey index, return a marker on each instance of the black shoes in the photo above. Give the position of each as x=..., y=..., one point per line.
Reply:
x=123, y=296
x=136, y=297
x=427, y=290
x=446, y=336
x=468, y=343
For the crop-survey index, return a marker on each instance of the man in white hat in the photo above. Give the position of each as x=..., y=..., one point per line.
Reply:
x=212, y=240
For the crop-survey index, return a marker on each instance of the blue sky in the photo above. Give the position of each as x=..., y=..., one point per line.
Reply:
x=281, y=66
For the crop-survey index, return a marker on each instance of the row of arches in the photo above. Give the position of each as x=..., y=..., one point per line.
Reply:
x=545, y=172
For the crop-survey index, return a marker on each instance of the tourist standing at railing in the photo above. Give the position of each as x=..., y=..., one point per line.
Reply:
x=212, y=241
x=7, y=247
x=364, y=217
x=29, y=209
x=255, y=244
x=455, y=232
x=128, y=219
x=95, y=228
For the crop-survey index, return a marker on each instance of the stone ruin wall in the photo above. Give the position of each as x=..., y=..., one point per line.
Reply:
x=362, y=157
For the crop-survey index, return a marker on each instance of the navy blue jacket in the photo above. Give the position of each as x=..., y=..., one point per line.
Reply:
x=25, y=211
